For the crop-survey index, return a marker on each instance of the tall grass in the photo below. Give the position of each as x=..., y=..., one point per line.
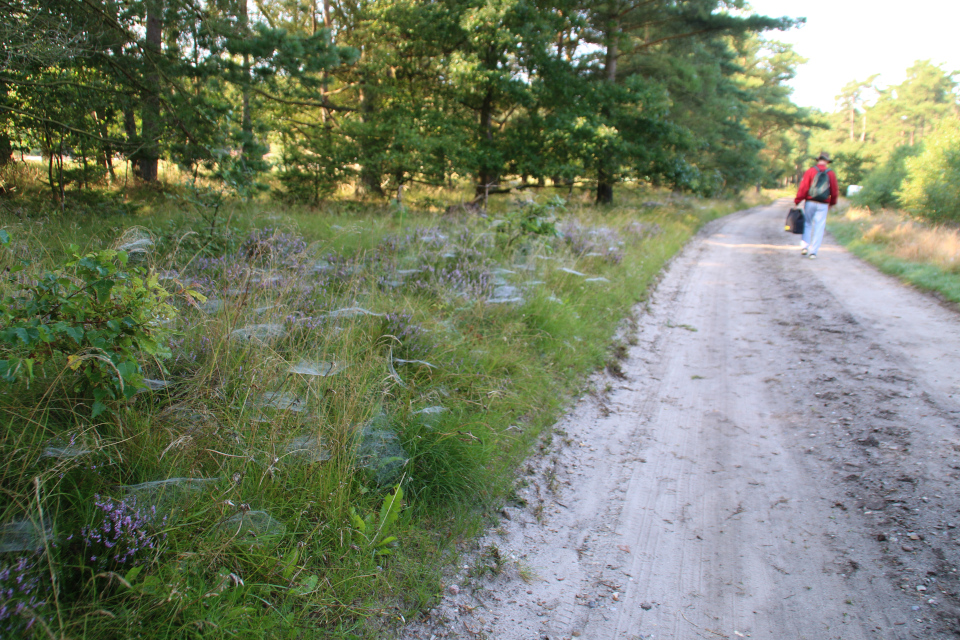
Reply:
x=922, y=254
x=225, y=503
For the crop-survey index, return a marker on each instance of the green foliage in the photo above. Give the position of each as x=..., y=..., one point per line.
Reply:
x=681, y=93
x=772, y=118
x=313, y=165
x=849, y=168
x=376, y=529
x=932, y=184
x=881, y=186
x=533, y=218
x=875, y=128
x=94, y=314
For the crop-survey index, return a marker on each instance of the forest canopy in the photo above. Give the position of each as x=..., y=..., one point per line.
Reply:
x=683, y=93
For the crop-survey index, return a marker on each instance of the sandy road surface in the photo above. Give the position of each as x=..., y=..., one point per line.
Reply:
x=780, y=462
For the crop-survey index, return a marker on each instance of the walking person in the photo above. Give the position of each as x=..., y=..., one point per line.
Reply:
x=819, y=188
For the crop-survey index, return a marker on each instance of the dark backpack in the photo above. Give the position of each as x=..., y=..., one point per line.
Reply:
x=820, y=186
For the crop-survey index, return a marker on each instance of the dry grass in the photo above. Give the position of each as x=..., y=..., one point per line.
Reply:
x=909, y=239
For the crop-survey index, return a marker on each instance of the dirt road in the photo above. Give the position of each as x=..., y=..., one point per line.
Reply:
x=780, y=462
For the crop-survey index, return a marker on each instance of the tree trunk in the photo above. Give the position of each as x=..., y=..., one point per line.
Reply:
x=604, y=187
x=487, y=176
x=150, y=113
x=604, y=170
x=371, y=173
x=6, y=150
x=250, y=148
x=613, y=51
x=130, y=128
x=107, y=150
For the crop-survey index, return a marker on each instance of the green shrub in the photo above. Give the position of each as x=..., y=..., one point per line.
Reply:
x=881, y=185
x=95, y=314
x=932, y=185
x=849, y=167
x=533, y=218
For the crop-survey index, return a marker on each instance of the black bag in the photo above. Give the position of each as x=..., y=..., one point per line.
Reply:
x=794, y=222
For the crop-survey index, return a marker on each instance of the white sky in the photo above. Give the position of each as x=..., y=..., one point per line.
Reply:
x=848, y=40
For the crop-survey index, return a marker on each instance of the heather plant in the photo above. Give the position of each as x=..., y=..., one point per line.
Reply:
x=585, y=241
x=411, y=339
x=25, y=594
x=273, y=246
x=123, y=533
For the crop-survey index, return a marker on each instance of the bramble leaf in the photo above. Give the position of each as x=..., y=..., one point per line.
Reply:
x=103, y=319
x=98, y=408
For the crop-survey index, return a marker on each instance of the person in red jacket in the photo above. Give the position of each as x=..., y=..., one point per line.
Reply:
x=819, y=188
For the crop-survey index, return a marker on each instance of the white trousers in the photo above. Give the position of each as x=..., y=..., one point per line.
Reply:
x=814, y=224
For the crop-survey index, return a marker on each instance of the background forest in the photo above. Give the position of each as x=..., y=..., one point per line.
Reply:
x=899, y=142
x=378, y=95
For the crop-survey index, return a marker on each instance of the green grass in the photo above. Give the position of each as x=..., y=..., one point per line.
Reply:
x=502, y=372
x=878, y=251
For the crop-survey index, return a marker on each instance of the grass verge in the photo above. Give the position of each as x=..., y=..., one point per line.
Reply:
x=925, y=256
x=351, y=398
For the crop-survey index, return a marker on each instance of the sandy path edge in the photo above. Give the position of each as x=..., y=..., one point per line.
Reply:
x=779, y=463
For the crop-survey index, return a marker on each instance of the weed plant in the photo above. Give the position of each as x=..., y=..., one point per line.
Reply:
x=925, y=255
x=352, y=394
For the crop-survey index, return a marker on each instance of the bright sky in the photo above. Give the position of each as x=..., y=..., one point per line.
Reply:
x=848, y=40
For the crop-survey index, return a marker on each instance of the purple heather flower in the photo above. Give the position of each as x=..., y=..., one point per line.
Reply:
x=125, y=529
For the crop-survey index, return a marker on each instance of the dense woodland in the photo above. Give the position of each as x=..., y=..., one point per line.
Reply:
x=899, y=141
x=688, y=94
x=872, y=124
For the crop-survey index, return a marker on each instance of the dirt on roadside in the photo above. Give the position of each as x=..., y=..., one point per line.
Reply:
x=780, y=461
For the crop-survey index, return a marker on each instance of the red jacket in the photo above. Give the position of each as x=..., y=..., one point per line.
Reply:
x=807, y=181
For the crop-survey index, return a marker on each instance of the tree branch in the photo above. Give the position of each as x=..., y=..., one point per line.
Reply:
x=61, y=125
x=301, y=103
